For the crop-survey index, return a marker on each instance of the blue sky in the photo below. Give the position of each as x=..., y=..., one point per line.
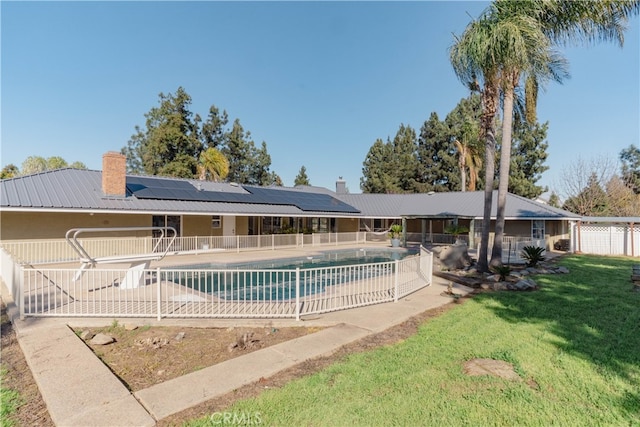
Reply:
x=317, y=81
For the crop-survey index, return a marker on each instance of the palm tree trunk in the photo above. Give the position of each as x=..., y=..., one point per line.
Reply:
x=462, y=160
x=505, y=162
x=489, y=108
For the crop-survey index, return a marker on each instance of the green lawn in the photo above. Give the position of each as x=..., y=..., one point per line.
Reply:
x=9, y=402
x=575, y=343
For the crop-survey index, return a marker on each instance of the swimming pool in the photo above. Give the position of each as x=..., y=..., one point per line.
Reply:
x=278, y=279
x=316, y=260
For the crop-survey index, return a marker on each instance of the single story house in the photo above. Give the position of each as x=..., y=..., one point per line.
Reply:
x=46, y=205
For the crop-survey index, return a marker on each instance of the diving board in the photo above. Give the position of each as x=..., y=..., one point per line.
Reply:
x=139, y=262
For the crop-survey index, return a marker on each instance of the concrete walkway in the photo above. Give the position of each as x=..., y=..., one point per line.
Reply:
x=80, y=391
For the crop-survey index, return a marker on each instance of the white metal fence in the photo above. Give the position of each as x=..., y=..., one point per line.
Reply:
x=512, y=247
x=58, y=250
x=213, y=293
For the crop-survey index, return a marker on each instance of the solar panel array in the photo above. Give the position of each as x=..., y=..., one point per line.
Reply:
x=305, y=201
x=165, y=189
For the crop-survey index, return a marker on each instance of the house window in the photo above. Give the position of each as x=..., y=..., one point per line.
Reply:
x=477, y=228
x=216, y=221
x=537, y=229
x=165, y=221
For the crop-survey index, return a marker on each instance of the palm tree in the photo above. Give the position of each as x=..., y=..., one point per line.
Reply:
x=475, y=55
x=469, y=156
x=525, y=51
x=567, y=22
x=464, y=130
x=530, y=30
x=213, y=165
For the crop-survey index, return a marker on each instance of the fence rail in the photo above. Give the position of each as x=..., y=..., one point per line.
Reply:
x=216, y=293
x=512, y=247
x=59, y=250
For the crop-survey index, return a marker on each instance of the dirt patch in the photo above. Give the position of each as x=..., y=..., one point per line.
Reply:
x=146, y=356
x=17, y=376
x=497, y=368
x=161, y=363
x=390, y=336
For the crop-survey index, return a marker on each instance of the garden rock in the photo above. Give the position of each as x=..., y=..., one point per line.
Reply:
x=453, y=257
x=102, y=339
x=526, y=285
x=87, y=334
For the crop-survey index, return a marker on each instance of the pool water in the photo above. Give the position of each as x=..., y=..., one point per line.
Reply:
x=274, y=280
x=318, y=260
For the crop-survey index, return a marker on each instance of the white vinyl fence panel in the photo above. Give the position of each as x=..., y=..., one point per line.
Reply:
x=614, y=239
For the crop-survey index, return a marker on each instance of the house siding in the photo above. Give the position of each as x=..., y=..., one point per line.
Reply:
x=54, y=225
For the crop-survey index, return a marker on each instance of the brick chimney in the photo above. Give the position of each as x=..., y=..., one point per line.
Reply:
x=114, y=171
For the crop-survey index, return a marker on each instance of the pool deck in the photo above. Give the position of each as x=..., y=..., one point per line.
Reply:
x=79, y=390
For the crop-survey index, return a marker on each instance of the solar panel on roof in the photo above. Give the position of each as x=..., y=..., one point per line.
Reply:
x=305, y=201
x=166, y=189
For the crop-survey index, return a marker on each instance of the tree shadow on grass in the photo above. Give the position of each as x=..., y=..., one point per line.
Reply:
x=593, y=311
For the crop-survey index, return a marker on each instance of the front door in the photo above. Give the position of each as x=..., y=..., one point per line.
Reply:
x=229, y=231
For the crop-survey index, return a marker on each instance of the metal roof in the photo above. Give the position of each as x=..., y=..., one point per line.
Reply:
x=80, y=190
x=468, y=204
x=69, y=190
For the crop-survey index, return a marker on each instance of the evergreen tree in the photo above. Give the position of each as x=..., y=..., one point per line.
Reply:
x=239, y=150
x=174, y=140
x=261, y=174
x=213, y=129
x=377, y=170
x=404, y=161
x=170, y=145
x=554, y=200
x=527, y=158
x=630, y=158
x=437, y=158
x=302, y=178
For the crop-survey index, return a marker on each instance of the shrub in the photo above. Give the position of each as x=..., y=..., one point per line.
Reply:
x=502, y=270
x=455, y=229
x=395, y=231
x=533, y=255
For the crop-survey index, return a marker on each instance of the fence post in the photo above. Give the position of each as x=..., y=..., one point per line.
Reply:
x=159, y=294
x=238, y=243
x=19, y=299
x=297, y=293
x=396, y=280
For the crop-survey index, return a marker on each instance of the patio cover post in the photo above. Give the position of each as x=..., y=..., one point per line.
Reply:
x=404, y=232
x=632, y=242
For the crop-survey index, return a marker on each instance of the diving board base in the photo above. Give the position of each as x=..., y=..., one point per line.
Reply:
x=134, y=277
